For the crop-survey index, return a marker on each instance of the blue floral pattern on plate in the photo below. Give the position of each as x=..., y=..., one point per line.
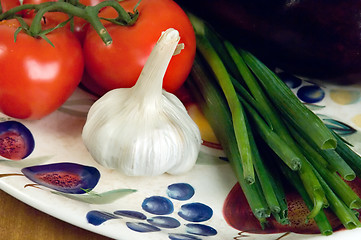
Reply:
x=194, y=214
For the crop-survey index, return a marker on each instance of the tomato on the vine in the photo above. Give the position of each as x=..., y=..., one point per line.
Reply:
x=80, y=25
x=120, y=63
x=36, y=78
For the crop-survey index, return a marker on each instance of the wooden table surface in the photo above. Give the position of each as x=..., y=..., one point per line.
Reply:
x=20, y=221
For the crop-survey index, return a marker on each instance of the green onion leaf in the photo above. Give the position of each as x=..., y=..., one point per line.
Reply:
x=289, y=105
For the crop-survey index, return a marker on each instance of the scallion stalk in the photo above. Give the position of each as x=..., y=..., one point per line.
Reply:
x=233, y=87
x=266, y=180
x=291, y=155
x=280, y=147
x=253, y=86
x=276, y=180
x=272, y=115
x=243, y=92
x=216, y=110
x=289, y=105
x=320, y=219
x=338, y=186
x=345, y=214
x=237, y=112
x=352, y=158
x=338, y=163
x=292, y=159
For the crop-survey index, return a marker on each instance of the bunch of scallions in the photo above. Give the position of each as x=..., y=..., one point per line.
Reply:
x=250, y=109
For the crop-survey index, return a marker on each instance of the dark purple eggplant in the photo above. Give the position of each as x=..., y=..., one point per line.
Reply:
x=317, y=39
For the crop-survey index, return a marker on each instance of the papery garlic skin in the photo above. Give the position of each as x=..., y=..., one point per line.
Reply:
x=143, y=133
x=192, y=140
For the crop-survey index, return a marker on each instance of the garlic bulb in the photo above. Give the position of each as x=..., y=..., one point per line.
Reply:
x=144, y=130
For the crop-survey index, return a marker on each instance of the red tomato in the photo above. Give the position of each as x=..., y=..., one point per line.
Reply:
x=8, y=4
x=119, y=64
x=36, y=78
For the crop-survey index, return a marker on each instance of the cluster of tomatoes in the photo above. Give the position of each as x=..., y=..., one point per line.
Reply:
x=37, y=77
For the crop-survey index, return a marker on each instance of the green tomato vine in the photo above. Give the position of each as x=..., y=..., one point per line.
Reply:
x=72, y=8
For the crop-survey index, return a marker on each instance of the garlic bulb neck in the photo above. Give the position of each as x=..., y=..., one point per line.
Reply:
x=150, y=81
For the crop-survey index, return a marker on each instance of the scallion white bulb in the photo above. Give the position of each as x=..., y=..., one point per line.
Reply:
x=144, y=130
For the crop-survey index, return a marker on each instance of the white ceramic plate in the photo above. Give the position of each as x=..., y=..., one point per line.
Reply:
x=140, y=215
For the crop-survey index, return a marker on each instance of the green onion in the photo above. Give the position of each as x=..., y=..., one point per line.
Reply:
x=338, y=163
x=352, y=158
x=345, y=214
x=241, y=91
x=289, y=105
x=247, y=104
x=276, y=181
x=253, y=86
x=238, y=116
x=266, y=180
x=216, y=110
x=311, y=182
x=291, y=159
x=280, y=147
x=331, y=177
x=320, y=219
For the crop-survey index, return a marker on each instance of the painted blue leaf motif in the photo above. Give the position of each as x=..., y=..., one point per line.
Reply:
x=191, y=213
x=290, y=80
x=64, y=177
x=158, y=205
x=181, y=236
x=180, y=191
x=164, y=222
x=131, y=214
x=311, y=94
x=200, y=229
x=339, y=127
x=314, y=107
x=142, y=227
x=98, y=217
x=16, y=140
x=98, y=198
x=195, y=212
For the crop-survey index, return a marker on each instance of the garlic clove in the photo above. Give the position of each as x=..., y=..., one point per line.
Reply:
x=190, y=134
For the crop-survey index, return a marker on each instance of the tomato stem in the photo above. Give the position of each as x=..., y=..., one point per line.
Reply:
x=74, y=8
